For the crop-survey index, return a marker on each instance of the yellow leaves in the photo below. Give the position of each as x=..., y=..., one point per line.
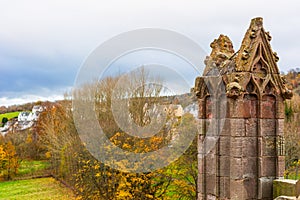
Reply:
x=10, y=149
x=137, y=145
x=93, y=179
x=118, y=134
x=48, y=154
x=124, y=195
x=97, y=166
x=8, y=160
x=79, y=198
x=29, y=139
x=296, y=162
x=97, y=181
x=156, y=139
x=149, y=196
x=98, y=175
x=136, y=186
x=126, y=146
x=3, y=154
x=2, y=150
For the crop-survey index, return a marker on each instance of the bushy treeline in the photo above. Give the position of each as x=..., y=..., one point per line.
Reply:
x=293, y=80
x=14, y=108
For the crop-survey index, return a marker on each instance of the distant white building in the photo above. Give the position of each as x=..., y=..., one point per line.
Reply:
x=30, y=116
x=23, y=116
x=37, y=109
x=26, y=120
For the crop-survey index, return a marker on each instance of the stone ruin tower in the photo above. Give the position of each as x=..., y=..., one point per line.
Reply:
x=241, y=98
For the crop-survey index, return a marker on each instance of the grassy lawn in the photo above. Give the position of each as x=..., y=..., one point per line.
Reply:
x=30, y=167
x=42, y=188
x=9, y=115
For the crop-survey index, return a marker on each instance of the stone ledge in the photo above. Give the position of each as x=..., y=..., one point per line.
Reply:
x=286, y=198
x=286, y=187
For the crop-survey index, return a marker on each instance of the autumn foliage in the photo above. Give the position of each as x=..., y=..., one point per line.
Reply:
x=90, y=178
x=8, y=161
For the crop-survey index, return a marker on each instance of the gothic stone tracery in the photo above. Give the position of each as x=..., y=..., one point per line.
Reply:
x=249, y=153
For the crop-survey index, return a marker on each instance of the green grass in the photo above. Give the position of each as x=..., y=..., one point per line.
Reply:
x=42, y=188
x=9, y=115
x=30, y=167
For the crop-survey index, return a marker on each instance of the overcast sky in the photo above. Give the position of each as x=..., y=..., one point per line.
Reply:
x=44, y=43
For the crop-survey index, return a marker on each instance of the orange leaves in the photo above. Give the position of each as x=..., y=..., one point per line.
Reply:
x=3, y=154
x=137, y=145
x=48, y=155
x=8, y=161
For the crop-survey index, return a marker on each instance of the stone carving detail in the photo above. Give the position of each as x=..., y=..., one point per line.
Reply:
x=234, y=90
x=253, y=32
x=222, y=50
x=268, y=36
x=245, y=54
x=286, y=92
x=276, y=58
x=270, y=88
x=250, y=149
x=255, y=56
x=280, y=145
x=203, y=92
x=250, y=88
x=259, y=72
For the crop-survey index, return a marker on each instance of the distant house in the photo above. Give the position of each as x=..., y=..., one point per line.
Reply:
x=30, y=116
x=23, y=116
x=37, y=109
x=25, y=120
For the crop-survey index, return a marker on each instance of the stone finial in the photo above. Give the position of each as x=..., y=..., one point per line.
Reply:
x=222, y=50
x=222, y=45
x=257, y=58
x=257, y=22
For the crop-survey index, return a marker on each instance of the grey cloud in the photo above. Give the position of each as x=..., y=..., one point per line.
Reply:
x=43, y=44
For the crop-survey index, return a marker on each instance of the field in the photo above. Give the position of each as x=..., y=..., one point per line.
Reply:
x=31, y=168
x=9, y=115
x=42, y=188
